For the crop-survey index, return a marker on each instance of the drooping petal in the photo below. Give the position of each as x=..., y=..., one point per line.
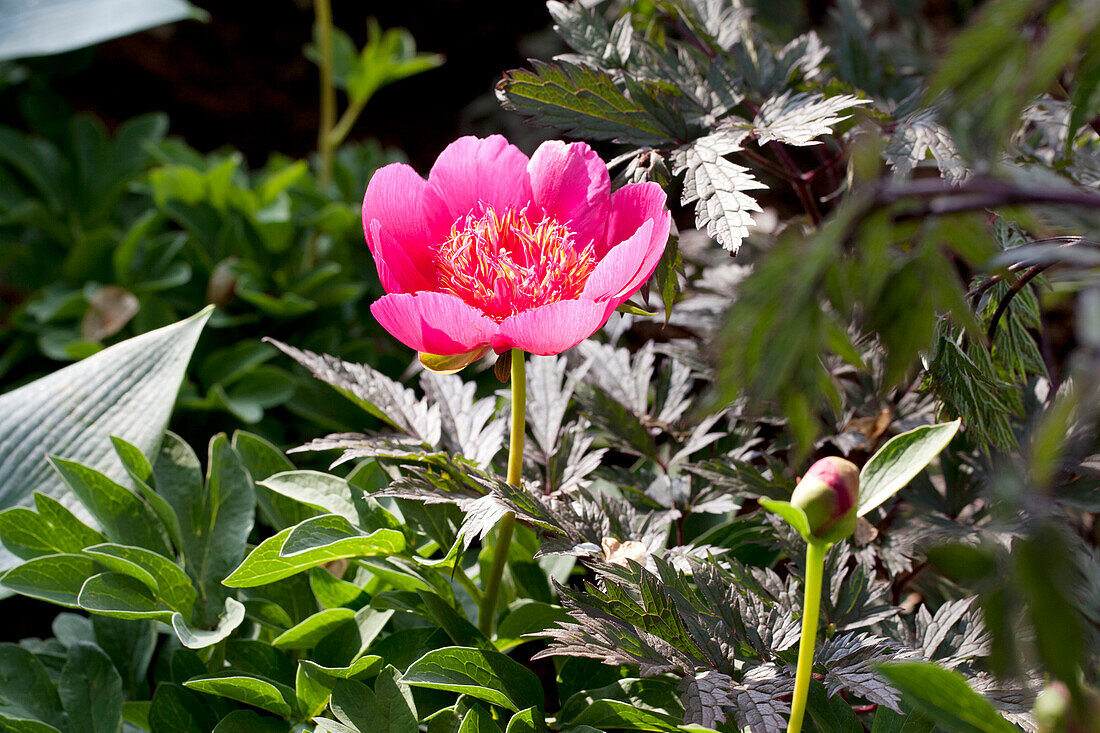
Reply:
x=397, y=270
x=552, y=328
x=395, y=199
x=570, y=183
x=630, y=206
x=472, y=173
x=435, y=323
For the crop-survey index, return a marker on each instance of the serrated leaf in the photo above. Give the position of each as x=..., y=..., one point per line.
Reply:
x=127, y=390
x=797, y=119
x=717, y=187
x=486, y=675
x=470, y=427
x=918, y=136
x=895, y=464
x=585, y=101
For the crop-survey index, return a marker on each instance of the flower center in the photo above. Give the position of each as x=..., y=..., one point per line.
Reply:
x=505, y=264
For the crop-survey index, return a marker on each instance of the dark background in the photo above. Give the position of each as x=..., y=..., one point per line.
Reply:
x=242, y=80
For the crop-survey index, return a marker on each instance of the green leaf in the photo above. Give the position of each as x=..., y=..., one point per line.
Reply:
x=530, y=720
x=215, y=516
x=127, y=390
x=67, y=528
x=125, y=518
x=265, y=564
x=178, y=710
x=327, y=493
x=604, y=714
x=261, y=693
x=193, y=638
x=833, y=714
x=28, y=534
x=460, y=631
x=262, y=459
x=53, y=578
x=362, y=668
x=389, y=707
x=887, y=721
x=91, y=690
x=584, y=101
x=945, y=697
x=141, y=473
x=793, y=515
x=306, y=634
x=478, y=720
x=122, y=596
x=56, y=26
x=486, y=675
x=162, y=576
x=248, y=721
x=895, y=464
x=527, y=617
x=26, y=689
x=22, y=725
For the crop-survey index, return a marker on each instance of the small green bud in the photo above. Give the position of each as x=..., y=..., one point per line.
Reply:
x=828, y=494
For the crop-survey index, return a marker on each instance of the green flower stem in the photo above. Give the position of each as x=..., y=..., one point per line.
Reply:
x=322, y=9
x=507, y=524
x=811, y=610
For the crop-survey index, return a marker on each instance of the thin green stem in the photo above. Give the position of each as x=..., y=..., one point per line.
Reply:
x=323, y=11
x=464, y=580
x=488, y=610
x=811, y=609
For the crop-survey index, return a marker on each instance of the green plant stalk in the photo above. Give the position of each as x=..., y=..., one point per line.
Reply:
x=488, y=610
x=322, y=9
x=811, y=610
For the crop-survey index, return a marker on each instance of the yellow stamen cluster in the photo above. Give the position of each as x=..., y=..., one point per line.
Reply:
x=505, y=264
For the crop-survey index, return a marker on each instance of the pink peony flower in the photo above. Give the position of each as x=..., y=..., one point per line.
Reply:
x=499, y=251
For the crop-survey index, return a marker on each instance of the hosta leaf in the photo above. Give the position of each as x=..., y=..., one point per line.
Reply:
x=486, y=675
x=797, y=119
x=717, y=187
x=584, y=101
x=127, y=390
x=56, y=26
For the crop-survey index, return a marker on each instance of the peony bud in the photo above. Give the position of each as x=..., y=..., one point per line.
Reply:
x=828, y=494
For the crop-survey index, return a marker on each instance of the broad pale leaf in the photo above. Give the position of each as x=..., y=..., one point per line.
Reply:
x=797, y=119
x=54, y=26
x=895, y=464
x=127, y=390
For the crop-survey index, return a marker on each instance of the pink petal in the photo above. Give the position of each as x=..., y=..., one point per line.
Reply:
x=551, y=328
x=630, y=206
x=571, y=184
x=628, y=265
x=395, y=199
x=396, y=269
x=473, y=173
x=436, y=323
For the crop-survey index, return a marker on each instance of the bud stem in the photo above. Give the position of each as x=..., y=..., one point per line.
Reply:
x=488, y=609
x=811, y=608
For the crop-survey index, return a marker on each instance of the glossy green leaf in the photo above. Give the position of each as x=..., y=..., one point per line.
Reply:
x=248, y=721
x=895, y=464
x=793, y=515
x=327, y=493
x=265, y=564
x=260, y=693
x=192, y=638
x=478, y=720
x=54, y=578
x=26, y=688
x=122, y=596
x=313, y=629
x=486, y=675
x=167, y=581
x=604, y=714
